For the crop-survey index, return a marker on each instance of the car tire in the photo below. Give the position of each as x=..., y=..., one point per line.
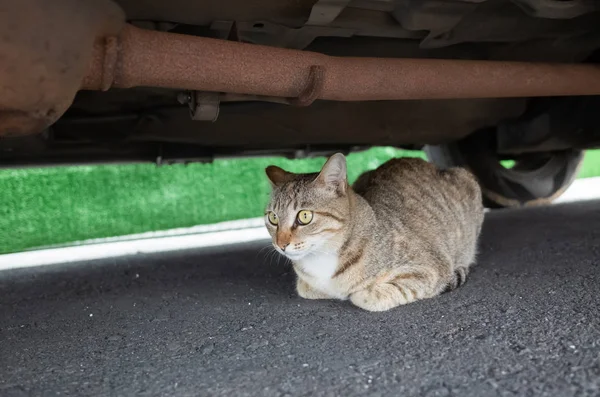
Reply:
x=535, y=179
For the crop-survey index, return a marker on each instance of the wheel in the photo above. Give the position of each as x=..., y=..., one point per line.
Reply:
x=534, y=179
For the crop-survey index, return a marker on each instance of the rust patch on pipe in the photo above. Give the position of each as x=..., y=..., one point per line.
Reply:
x=110, y=61
x=101, y=70
x=159, y=59
x=316, y=79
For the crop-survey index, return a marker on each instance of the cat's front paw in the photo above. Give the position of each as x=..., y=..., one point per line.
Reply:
x=366, y=301
x=307, y=292
x=378, y=298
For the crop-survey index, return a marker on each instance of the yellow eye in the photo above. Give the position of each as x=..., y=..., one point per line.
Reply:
x=273, y=219
x=304, y=217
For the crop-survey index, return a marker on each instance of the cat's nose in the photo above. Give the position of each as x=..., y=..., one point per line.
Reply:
x=283, y=246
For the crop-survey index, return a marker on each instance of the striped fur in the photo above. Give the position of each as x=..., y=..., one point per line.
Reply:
x=405, y=231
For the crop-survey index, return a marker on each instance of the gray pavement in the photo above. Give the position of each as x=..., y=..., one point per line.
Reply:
x=227, y=322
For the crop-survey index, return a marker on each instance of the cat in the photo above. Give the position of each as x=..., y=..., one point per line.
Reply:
x=403, y=232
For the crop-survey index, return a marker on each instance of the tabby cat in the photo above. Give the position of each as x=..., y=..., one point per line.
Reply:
x=405, y=231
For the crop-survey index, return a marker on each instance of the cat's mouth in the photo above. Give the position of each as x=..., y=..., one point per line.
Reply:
x=293, y=255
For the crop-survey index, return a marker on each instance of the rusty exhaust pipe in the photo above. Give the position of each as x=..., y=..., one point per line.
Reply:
x=157, y=59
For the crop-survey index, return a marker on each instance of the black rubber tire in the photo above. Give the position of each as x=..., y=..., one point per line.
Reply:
x=535, y=179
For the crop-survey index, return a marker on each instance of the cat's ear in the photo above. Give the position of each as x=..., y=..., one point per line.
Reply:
x=278, y=176
x=333, y=173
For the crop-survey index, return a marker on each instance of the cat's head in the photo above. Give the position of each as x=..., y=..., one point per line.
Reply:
x=308, y=213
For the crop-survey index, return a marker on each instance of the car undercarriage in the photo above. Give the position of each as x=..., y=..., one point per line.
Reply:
x=473, y=82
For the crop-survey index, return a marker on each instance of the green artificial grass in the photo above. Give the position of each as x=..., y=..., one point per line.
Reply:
x=46, y=206
x=591, y=165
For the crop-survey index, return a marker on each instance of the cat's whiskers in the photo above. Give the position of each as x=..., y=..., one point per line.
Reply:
x=277, y=257
x=262, y=250
x=271, y=255
x=265, y=251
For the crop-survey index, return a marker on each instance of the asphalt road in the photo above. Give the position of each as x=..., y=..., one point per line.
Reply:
x=227, y=322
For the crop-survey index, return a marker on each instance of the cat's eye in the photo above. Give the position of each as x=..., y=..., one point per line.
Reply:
x=304, y=217
x=272, y=217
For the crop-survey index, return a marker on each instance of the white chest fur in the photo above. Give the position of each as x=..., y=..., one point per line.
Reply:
x=320, y=269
